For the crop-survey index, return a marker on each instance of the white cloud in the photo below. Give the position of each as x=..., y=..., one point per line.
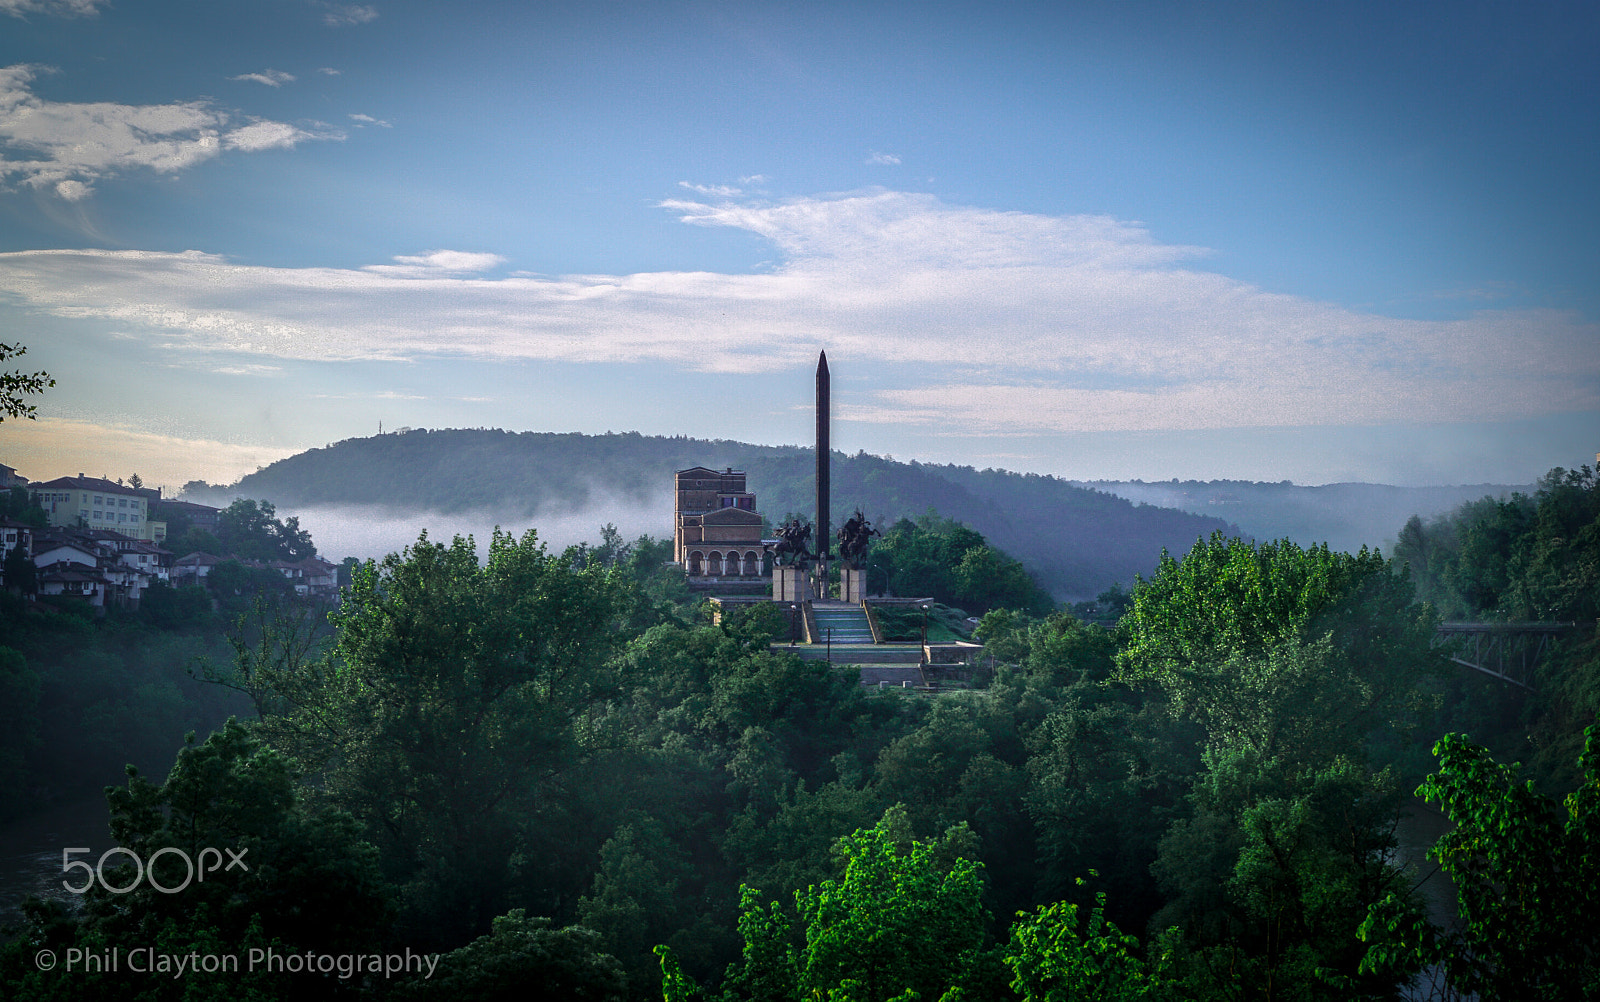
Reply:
x=328, y=71
x=270, y=77
x=883, y=159
x=714, y=190
x=988, y=321
x=345, y=15
x=62, y=8
x=369, y=120
x=66, y=147
x=436, y=263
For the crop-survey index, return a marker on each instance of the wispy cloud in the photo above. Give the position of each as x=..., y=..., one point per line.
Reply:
x=436, y=263
x=1017, y=322
x=346, y=15
x=883, y=159
x=66, y=147
x=714, y=190
x=362, y=120
x=328, y=71
x=60, y=8
x=270, y=77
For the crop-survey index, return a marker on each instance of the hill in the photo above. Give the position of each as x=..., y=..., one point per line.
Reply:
x=1076, y=540
x=1345, y=516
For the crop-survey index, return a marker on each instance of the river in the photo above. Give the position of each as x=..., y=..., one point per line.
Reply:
x=30, y=851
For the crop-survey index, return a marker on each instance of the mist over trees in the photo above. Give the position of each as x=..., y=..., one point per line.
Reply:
x=1075, y=541
x=554, y=770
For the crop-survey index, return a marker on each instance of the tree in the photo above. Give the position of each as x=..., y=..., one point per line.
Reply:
x=304, y=880
x=1249, y=639
x=251, y=530
x=1527, y=873
x=16, y=385
x=518, y=956
x=442, y=717
x=904, y=917
x=1056, y=956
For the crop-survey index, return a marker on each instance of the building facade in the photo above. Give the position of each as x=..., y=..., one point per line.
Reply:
x=94, y=503
x=716, y=530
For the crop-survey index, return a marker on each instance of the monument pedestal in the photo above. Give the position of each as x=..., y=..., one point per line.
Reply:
x=790, y=584
x=852, y=585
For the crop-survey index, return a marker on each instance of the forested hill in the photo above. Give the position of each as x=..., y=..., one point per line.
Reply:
x=1345, y=516
x=1076, y=541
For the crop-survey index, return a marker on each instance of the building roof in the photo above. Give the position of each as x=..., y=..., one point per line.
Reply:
x=730, y=516
x=67, y=570
x=197, y=559
x=83, y=483
x=190, y=508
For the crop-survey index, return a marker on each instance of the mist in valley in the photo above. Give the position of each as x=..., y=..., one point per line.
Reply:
x=369, y=532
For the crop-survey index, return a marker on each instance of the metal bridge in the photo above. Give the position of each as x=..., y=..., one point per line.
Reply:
x=1506, y=651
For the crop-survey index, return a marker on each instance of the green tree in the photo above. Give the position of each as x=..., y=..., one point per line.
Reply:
x=443, y=717
x=251, y=530
x=1526, y=868
x=521, y=957
x=1251, y=641
x=304, y=880
x=904, y=917
x=1062, y=952
x=954, y=564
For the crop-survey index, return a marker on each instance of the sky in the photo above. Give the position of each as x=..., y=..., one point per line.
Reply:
x=1265, y=240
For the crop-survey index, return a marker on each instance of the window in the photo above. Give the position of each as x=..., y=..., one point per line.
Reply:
x=133, y=518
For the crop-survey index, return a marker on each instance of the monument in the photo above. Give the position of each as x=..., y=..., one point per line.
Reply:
x=824, y=468
x=854, y=538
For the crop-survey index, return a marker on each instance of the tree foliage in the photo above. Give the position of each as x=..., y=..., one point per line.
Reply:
x=1526, y=868
x=442, y=717
x=17, y=385
x=954, y=564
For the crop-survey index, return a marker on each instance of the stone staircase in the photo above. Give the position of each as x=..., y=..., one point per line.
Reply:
x=847, y=622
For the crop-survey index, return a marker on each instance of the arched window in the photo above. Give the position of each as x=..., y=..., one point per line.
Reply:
x=752, y=565
x=714, y=565
x=694, y=563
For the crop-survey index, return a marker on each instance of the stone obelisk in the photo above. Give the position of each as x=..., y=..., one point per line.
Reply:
x=823, y=478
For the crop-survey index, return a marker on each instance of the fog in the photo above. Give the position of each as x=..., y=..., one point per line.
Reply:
x=371, y=531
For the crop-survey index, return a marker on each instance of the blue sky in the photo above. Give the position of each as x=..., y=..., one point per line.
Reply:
x=1262, y=240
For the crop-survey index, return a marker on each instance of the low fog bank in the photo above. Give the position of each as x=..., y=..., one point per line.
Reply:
x=372, y=531
x=1345, y=516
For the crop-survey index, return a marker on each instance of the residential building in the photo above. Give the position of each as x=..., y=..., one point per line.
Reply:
x=96, y=503
x=193, y=568
x=74, y=580
x=14, y=534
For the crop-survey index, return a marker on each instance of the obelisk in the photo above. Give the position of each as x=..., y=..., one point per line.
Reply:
x=823, y=466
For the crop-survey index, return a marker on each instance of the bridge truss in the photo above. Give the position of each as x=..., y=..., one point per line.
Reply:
x=1507, y=651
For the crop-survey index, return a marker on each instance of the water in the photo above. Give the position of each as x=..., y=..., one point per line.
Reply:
x=30, y=852
x=1419, y=828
